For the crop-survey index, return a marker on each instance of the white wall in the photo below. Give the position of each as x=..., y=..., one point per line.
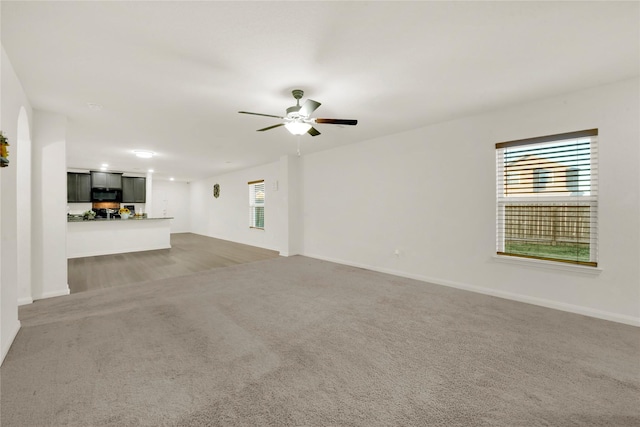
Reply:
x=49, y=222
x=8, y=228
x=14, y=257
x=431, y=194
x=172, y=199
x=290, y=212
x=227, y=217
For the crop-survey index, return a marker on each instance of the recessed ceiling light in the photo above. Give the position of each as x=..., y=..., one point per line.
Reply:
x=144, y=154
x=105, y=165
x=171, y=179
x=150, y=170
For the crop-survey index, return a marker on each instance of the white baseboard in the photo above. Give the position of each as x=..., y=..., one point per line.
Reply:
x=288, y=254
x=576, y=309
x=116, y=251
x=7, y=345
x=59, y=293
x=25, y=300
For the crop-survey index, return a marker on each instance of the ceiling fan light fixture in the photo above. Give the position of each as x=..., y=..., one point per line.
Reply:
x=297, y=128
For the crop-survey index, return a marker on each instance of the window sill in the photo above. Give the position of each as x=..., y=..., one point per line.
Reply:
x=256, y=228
x=550, y=265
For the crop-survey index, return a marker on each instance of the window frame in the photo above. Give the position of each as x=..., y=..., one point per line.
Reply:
x=537, y=197
x=254, y=205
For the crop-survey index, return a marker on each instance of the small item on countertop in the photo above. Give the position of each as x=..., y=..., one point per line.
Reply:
x=124, y=213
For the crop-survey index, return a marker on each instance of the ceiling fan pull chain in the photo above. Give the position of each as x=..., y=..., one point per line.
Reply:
x=298, y=145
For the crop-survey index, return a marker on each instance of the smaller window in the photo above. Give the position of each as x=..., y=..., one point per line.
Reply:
x=256, y=204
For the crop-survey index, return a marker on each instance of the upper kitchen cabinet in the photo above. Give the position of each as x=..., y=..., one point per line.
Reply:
x=78, y=187
x=106, y=180
x=134, y=190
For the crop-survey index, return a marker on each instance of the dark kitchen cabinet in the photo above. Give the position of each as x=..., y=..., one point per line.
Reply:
x=134, y=190
x=109, y=180
x=78, y=187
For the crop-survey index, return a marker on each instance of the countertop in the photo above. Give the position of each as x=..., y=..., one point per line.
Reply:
x=79, y=219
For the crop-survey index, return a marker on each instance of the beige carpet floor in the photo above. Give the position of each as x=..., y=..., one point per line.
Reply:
x=301, y=342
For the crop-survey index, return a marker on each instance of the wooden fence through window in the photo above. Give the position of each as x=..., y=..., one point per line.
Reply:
x=548, y=224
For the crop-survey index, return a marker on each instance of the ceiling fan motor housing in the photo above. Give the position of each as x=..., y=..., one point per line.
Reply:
x=292, y=112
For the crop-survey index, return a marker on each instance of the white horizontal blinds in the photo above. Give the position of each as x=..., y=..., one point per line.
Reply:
x=256, y=204
x=547, y=205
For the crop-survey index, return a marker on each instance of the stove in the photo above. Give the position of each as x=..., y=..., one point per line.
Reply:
x=106, y=213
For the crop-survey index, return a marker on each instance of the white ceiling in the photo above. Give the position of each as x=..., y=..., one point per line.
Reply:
x=171, y=76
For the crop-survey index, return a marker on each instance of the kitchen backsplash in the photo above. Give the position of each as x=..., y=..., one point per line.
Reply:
x=80, y=208
x=106, y=205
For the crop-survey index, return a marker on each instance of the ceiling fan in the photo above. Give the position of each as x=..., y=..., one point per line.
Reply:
x=297, y=120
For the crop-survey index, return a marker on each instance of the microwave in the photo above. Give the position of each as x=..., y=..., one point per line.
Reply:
x=106, y=195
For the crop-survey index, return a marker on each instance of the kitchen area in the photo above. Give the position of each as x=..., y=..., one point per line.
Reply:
x=106, y=215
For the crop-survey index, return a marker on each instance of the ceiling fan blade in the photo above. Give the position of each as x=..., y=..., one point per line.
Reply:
x=260, y=114
x=313, y=132
x=270, y=127
x=338, y=121
x=308, y=107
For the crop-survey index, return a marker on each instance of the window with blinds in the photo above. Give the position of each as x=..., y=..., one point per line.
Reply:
x=256, y=204
x=547, y=198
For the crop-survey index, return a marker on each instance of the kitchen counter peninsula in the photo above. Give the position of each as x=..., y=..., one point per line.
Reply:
x=80, y=219
x=115, y=236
